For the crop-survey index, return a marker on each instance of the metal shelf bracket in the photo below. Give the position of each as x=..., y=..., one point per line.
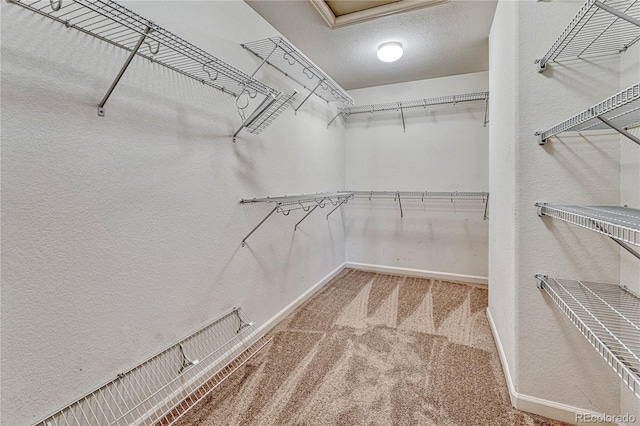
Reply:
x=115, y=82
x=295, y=228
x=244, y=240
x=186, y=361
x=619, y=129
x=542, y=280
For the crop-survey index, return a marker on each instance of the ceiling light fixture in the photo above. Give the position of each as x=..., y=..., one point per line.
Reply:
x=390, y=52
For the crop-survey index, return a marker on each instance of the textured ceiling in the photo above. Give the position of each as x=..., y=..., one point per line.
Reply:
x=342, y=7
x=447, y=39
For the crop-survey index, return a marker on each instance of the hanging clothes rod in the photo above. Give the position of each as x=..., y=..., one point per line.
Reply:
x=401, y=106
x=113, y=23
x=307, y=202
x=599, y=27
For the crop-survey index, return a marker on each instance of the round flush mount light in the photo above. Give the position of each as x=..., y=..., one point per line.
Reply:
x=390, y=52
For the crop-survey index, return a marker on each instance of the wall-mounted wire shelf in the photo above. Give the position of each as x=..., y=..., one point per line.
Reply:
x=401, y=106
x=423, y=195
x=265, y=113
x=119, y=26
x=306, y=202
x=619, y=112
x=599, y=27
x=621, y=224
x=284, y=57
x=608, y=316
x=310, y=202
x=170, y=382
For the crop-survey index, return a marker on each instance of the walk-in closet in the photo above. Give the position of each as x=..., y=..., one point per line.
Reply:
x=320, y=212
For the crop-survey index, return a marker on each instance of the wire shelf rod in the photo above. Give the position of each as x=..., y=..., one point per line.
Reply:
x=609, y=318
x=287, y=59
x=619, y=223
x=599, y=27
x=620, y=112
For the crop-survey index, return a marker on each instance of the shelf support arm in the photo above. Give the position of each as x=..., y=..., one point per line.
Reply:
x=617, y=13
x=295, y=110
x=404, y=128
x=337, y=207
x=486, y=111
x=133, y=53
x=400, y=204
x=264, y=105
x=264, y=61
x=486, y=205
x=333, y=119
x=244, y=240
x=620, y=243
x=620, y=130
x=295, y=228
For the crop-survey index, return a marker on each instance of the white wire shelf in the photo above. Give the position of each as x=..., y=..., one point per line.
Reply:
x=618, y=112
x=401, y=106
x=608, y=316
x=170, y=382
x=115, y=24
x=284, y=57
x=619, y=223
x=310, y=202
x=599, y=27
x=422, y=196
x=307, y=202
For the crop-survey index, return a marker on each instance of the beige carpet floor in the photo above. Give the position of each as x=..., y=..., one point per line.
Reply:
x=373, y=349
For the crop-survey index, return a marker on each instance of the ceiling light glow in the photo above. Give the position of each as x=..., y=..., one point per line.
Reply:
x=390, y=52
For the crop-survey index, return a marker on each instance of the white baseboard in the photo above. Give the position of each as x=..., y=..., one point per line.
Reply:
x=418, y=273
x=274, y=320
x=532, y=404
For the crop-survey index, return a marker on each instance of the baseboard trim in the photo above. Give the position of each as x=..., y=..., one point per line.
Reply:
x=418, y=273
x=532, y=404
x=274, y=320
x=503, y=361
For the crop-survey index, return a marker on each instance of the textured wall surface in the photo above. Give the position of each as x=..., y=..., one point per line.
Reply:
x=629, y=196
x=443, y=149
x=122, y=234
x=551, y=358
x=502, y=164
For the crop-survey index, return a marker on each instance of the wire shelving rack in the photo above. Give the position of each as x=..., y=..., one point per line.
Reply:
x=284, y=57
x=310, y=202
x=621, y=224
x=599, y=27
x=618, y=112
x=307, y=202
x=401, y=106
x=115, y=24
x=422, y=196
x=163, y=388
x=608, y=316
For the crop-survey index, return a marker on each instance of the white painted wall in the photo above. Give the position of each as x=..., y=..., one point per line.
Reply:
x=630, y=196
x=502, y=171
x=553, y=362
x=122, y=234
x=443, y=149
